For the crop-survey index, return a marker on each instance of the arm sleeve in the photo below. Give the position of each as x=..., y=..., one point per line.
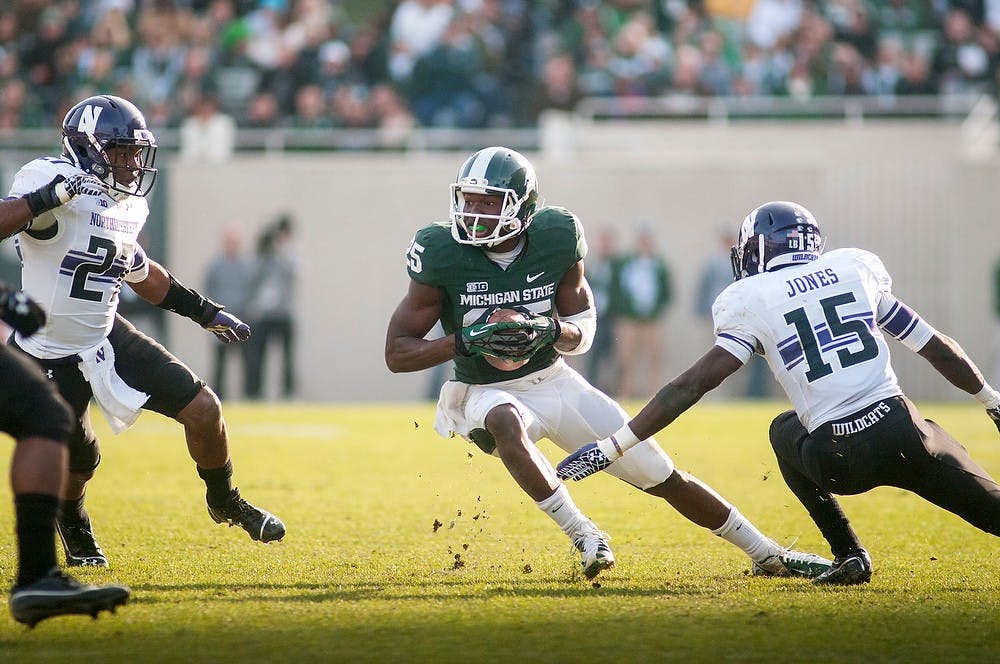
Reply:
x=732, y=333
x=902, y=323
x=139, y=269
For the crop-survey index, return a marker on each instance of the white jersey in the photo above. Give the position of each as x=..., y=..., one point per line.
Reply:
x=73, y=261
x=820, y=325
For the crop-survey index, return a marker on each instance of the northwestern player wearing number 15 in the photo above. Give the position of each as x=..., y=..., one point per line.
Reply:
x=77, y=218
x=504, y=250
x=819, y=320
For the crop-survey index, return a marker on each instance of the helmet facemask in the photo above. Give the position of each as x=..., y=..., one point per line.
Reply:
x=494, y=171
x=509, y=222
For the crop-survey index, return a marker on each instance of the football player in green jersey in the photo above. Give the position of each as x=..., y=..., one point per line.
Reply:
x=504, y=250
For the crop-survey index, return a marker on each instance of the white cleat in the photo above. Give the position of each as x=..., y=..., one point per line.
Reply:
x=596, y=555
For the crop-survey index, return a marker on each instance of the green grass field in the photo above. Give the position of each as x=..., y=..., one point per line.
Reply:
x=363, y=576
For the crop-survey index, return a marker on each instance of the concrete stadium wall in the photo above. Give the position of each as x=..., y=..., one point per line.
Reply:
x=904, y=191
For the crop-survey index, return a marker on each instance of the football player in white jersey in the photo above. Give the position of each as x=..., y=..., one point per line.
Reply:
x=820, y=319
x=76, y=219
x=40, y=422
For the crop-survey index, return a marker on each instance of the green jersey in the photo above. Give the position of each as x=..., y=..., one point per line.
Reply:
x=473, y=286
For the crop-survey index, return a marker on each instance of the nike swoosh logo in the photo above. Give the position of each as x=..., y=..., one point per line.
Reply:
x=532, y=277
x=477, y=333
x=558, y=508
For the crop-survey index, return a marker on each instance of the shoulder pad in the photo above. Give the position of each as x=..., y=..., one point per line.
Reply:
x=40, y=172
x=556, y=220
x=437, y=251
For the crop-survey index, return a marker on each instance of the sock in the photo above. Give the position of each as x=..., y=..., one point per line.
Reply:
x=561, y=509
x=73, y=509
x=842, y=538
x=219, y=482
x=36, y=535
x=743, y=534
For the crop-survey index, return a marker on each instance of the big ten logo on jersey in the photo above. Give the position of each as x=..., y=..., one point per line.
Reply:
x=477, y=287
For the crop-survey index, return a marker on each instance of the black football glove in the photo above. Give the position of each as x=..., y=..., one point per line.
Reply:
x=20, y=311
x=62, y=190
x=994, y=414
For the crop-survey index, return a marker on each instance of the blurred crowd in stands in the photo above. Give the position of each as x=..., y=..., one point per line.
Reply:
x=473, y=63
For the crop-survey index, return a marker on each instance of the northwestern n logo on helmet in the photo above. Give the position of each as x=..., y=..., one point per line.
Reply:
x=88, y=119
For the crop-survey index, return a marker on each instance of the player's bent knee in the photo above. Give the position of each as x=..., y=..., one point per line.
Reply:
x=42, y=413
x=203, y=410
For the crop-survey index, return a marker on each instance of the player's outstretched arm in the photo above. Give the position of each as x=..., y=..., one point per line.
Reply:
x=676, y=397
x=951, y=361
x=163, y=290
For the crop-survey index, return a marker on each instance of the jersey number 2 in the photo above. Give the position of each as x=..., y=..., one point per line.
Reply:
x=838, y=329
x=83, y=270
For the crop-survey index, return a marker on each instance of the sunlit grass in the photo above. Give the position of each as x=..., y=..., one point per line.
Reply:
x=364, y=574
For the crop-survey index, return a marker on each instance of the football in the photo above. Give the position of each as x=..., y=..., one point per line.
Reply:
x=500, y=316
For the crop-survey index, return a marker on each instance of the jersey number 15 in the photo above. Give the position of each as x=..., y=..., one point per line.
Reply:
x=840, y=331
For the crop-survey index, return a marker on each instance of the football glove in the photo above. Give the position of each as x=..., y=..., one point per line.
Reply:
x=546, y=331
x=20, y=311
x=62, y=190
x=228, y=328
x=586, y=461
x=994, y=414
x=497, y=339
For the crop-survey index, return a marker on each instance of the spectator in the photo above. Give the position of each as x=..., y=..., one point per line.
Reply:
x=271, y=309
x=503, y=64
x=228, y=280
x=642, y=293
x=716, y=275
x=417, y=27
x=996, y=313
x=600, y=266
x=310, y=109
x=208, y=134
x=557, y=88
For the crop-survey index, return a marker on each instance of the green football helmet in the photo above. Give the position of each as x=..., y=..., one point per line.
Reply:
x=500, y=171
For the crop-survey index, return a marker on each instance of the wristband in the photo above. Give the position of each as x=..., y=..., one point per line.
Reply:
x=189, y=302
x=618, y=443
x=987, y=396
x=45, y=198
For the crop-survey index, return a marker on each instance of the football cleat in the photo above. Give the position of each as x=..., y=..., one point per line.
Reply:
x=59, y=594
x=586, y=461
x=79, y=544
x=788, y=562
x=261, y=525
x=849, y=570
x=594, y=550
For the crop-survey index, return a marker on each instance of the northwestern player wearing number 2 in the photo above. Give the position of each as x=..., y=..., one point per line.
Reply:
x=77, y=218
x=819, y=321
x=504, y=251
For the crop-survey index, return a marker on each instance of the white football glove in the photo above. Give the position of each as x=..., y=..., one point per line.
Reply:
x=62, y=190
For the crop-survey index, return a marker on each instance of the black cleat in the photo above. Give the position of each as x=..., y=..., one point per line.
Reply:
x=81, y=549
x=59, y=594
x=261, y=525
x=850, y=570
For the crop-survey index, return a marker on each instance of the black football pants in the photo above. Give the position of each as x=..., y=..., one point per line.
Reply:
x=901, y=449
